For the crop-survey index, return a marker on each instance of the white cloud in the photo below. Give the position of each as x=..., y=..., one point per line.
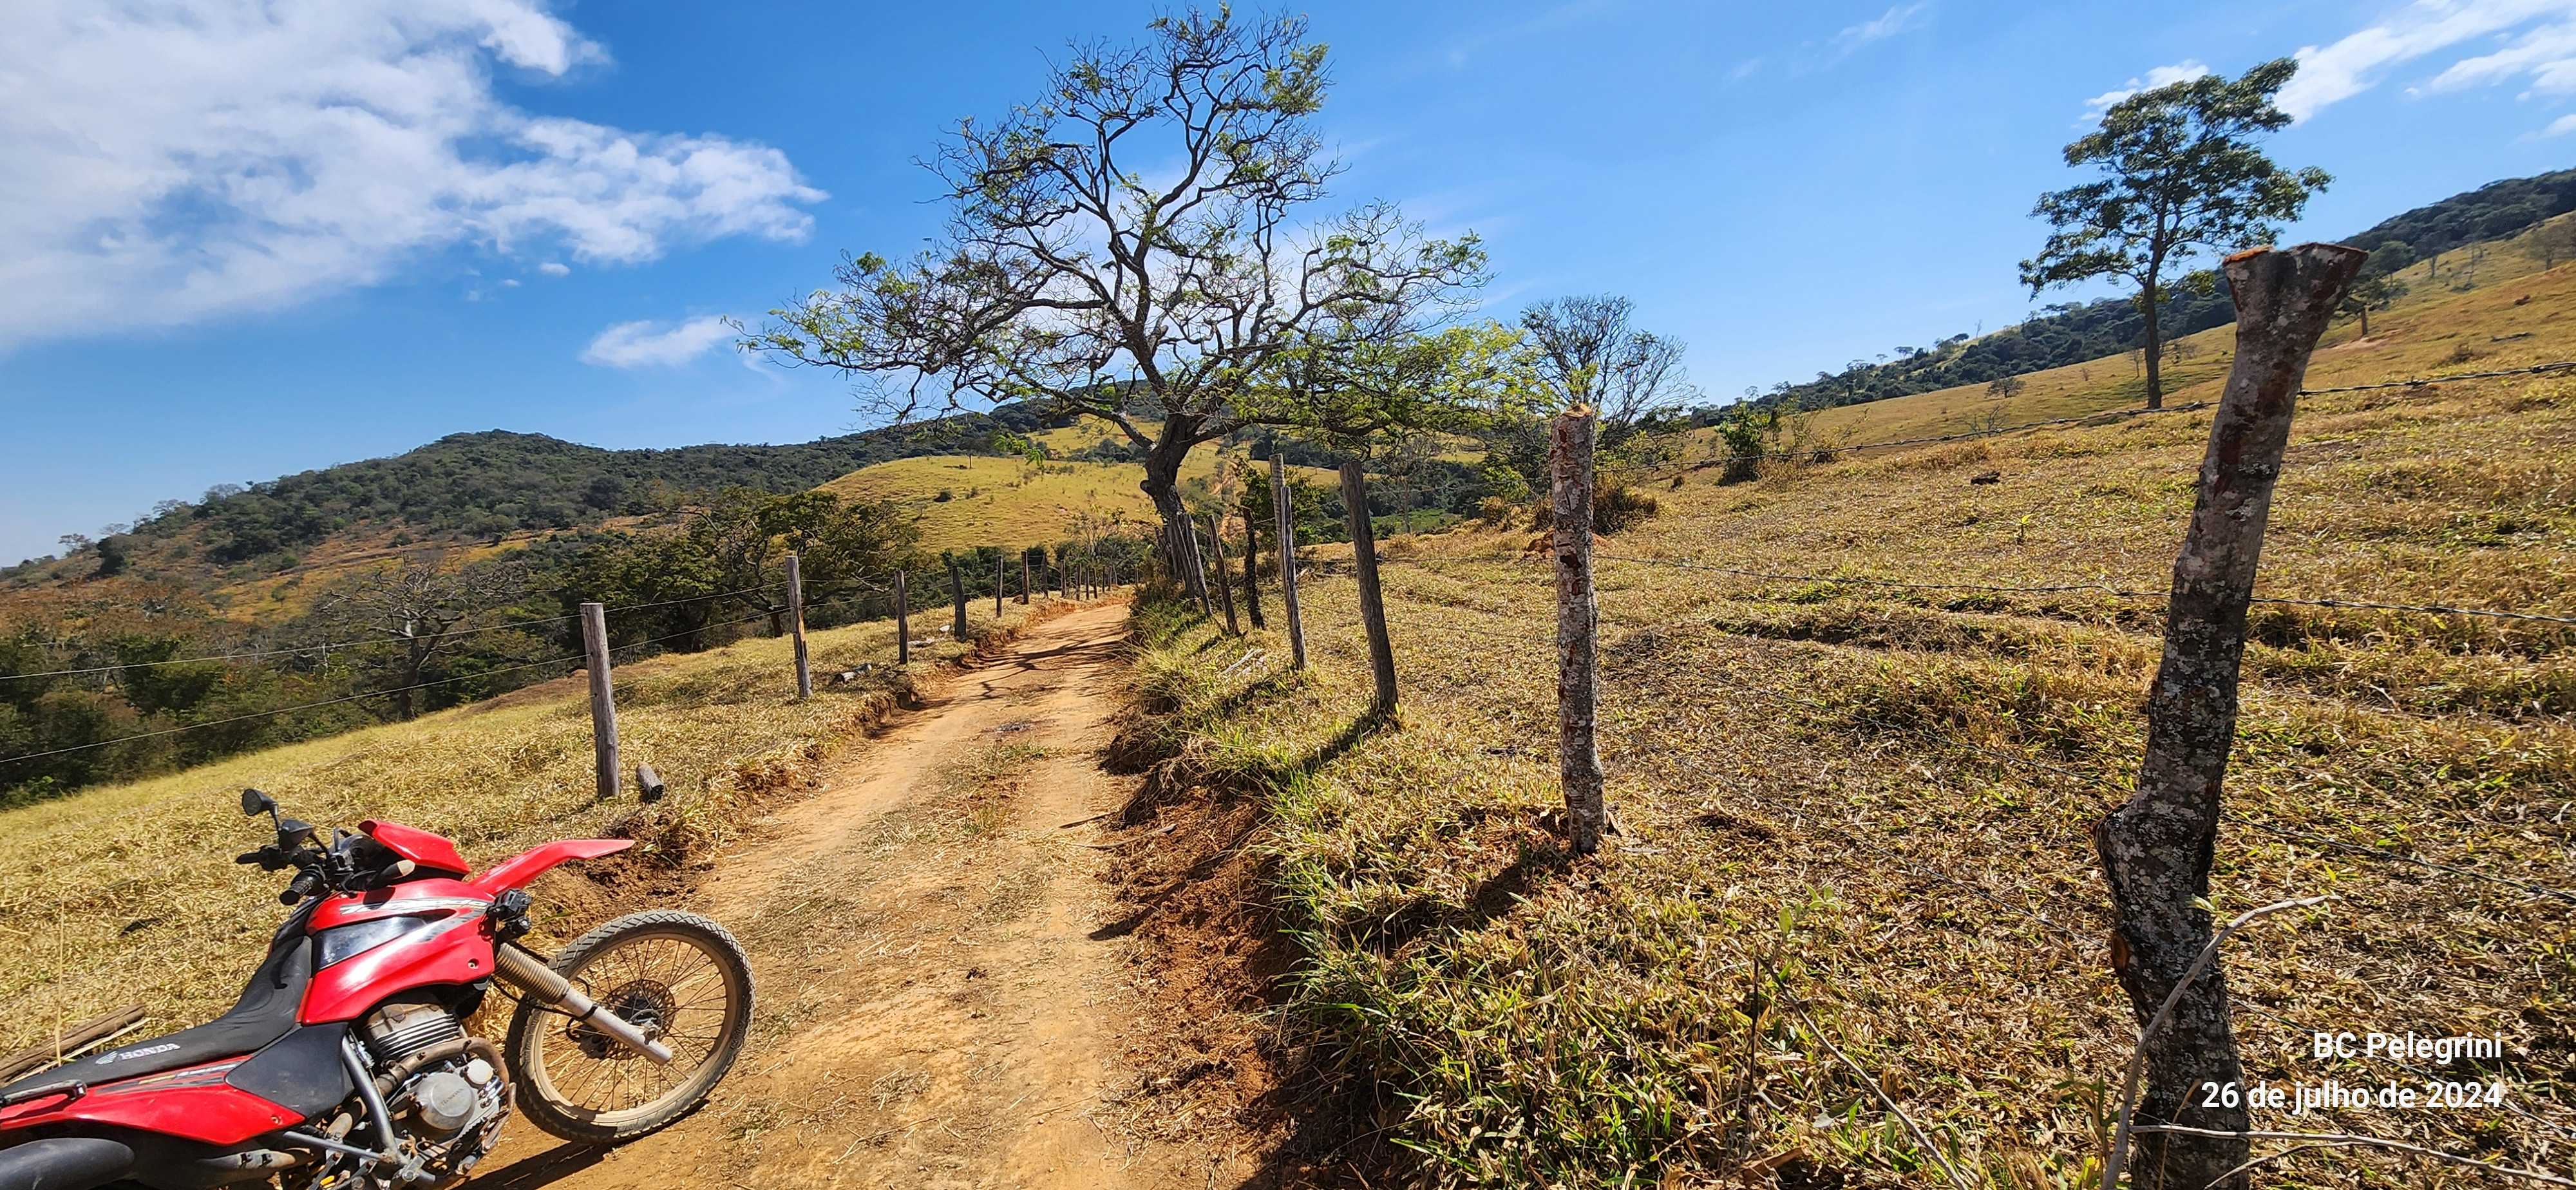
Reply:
x=648, y=344
x=2333, y=73
x=1903, y=18
x=2546, y=53
x=555, y=268
x=2560, y=126
x=171, y=166
x=2162, y=76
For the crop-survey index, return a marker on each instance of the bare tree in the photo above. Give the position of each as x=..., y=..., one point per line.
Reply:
x=1588, y=351
x=418, y=606
x=1128, y=247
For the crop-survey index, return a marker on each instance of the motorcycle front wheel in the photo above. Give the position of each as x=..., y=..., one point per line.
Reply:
x=678, y=976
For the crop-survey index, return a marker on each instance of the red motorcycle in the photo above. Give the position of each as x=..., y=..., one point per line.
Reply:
x=346, y=1064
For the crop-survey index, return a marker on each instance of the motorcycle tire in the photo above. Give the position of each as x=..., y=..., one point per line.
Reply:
x=658, y=968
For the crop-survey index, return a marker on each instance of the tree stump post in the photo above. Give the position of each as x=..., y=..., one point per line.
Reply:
x=1287, y=552
x=957, y=592
x=1578, y=625
x=902, y=621
x=1372, y=601
x=1251, y=572
x=796, y=626
x=1224, y=587
x=603, y=698
x=2156, y=849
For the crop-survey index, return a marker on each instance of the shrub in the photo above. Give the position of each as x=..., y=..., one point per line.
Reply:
x=1614, y=508
x=1494, y=512
x=1620, y=507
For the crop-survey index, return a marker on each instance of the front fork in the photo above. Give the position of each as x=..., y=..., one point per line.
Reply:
x=530, y=974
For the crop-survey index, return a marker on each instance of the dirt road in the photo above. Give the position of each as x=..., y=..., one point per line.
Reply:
x=939, y=1003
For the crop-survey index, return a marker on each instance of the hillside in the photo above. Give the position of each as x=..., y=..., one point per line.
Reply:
x=484, y=487
x=1855, y=772
x=2453, y=240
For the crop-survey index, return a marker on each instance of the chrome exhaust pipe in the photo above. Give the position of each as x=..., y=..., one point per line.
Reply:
x=532, y=976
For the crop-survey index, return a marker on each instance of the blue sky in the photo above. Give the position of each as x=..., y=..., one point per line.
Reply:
x=267, y=238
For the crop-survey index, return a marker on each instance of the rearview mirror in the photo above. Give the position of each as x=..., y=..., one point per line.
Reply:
x=255, y=803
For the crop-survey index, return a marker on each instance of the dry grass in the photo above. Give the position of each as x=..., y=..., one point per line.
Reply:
x=1864, y=811
x=127, y=892
x=1013, y=502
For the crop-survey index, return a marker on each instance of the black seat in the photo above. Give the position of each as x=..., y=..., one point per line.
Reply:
x=265, y=1013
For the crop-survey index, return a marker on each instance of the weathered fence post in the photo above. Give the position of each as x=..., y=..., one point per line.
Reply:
x=1287, y=551
x=957, y=592
x=796, y=625
x=1578, y=627
x=603, y=697
x=902, y=621
x=998, y=584
x=1224, y=586
x=1372, y=602
x=2157, y=848
x=1251, y=571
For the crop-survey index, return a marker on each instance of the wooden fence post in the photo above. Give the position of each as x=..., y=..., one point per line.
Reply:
x=796, y=625
x=1578, y=627
x=1251, y=571
x=902, y=621
x=1024, y=577
x=2156, y=849
x=997, y=585
x=1224, y=587
x=1372, y=602
x=1287, y=551
x=603, y=697
x=957, y=591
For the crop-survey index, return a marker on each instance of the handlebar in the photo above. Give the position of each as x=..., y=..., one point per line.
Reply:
x=306, y=883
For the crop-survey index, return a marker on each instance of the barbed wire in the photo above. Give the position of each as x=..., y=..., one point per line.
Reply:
x=388, y=638
x=2104, y=588
x=127, y=739
x=2428, y=381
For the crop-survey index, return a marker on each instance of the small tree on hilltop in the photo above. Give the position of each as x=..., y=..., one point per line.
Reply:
x=2375, y=289
x=2006, y=386
x=2181, y=176
x=1128, y=247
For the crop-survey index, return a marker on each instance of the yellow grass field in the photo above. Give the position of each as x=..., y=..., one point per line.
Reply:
x=1857, y=818
x=1013, y=502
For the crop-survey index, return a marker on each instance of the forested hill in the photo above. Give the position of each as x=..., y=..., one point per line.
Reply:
x=2072, y=332
x=488, y=484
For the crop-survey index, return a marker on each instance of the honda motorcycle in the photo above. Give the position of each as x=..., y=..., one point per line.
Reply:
x=347, y=1063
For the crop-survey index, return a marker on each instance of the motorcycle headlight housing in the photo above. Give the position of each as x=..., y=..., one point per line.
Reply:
x=350, y=941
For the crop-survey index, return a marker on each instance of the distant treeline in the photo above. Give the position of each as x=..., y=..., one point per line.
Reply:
x=2073, y=332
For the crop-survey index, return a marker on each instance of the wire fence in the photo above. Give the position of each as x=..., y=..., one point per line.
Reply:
x=1501, y=605
x=870, y=587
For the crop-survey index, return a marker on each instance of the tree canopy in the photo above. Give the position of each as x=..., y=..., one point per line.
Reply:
x=2180, y=176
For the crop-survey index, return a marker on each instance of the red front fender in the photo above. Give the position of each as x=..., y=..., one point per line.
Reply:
x=518, y=870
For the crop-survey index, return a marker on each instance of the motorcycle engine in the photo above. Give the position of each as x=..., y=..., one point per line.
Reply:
x=443, y=1088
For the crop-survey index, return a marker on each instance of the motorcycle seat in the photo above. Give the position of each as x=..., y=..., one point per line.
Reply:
x=265, y=1013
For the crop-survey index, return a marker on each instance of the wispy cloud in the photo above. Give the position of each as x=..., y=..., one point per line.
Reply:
x=1904, y=18
x=2338, y=71
x=2162, y=76
x=174, y=164
x=2560, y=126
x=1563, y=16
x=648, y=344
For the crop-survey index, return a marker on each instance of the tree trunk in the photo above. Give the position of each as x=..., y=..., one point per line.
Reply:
x=2155, y=348
x=1251, y=571
x=2365, y=320
x=1162, y=486
x=1372, y=601
x=2156, y=849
